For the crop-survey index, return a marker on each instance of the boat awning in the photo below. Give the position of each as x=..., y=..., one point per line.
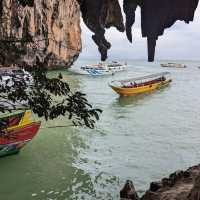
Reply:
x=143, y=77
x=5, y=115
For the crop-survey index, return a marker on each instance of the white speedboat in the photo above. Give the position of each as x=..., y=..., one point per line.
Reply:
x=101, y=69
x=175, y=65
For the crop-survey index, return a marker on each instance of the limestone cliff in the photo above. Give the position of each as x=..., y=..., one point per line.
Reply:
x=54, y=26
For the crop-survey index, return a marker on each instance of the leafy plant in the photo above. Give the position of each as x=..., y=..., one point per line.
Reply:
x=46, y=97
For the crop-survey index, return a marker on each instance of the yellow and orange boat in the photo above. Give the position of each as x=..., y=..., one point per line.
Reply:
x=134, y=86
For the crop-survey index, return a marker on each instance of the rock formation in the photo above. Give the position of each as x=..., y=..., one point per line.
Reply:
x=128, y=191
x=195, y=192
x=101, y=14
x=181, y=185
x=156, y=15
x=54, y=26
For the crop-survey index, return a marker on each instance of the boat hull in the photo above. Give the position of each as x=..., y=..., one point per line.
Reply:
x=93, y=72
x=139, y=90
x=98, y=72
x=173, y=65
x=13, y=140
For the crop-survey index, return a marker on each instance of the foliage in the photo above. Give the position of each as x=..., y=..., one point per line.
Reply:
x=46, y=97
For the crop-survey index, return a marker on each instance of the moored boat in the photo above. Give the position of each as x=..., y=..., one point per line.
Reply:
x=100, y=69
x=173, y=65
x=140, y=85
x=11, y=141
x=15, y=119
x=16, y=130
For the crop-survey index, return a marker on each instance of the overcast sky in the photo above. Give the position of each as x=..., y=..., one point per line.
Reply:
x=181, y=41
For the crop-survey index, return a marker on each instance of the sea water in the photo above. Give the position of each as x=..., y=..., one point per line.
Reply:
x=142, y=138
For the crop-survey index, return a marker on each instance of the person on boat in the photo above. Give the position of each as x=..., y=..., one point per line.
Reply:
x=131, y=85
x=163, y=78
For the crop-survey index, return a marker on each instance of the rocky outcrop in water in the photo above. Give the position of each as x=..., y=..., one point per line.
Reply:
x=156, y=15
x=128, y=191
x=181, y=185
x=54, y=26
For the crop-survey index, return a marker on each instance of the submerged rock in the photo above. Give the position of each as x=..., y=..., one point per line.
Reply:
x=181, y=185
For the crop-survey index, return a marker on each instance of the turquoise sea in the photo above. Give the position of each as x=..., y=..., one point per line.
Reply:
x=141, y=138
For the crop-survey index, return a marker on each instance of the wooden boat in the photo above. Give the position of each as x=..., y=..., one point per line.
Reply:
x=140, y=85
x=11, y=141
x=15, y=119
x=173, y=65
x=19, y=131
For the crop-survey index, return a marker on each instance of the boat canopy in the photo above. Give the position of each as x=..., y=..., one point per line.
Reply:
x=143, y=77
x=5, y=115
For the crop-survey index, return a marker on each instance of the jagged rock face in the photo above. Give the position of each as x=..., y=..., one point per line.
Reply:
x=195, y=192
x=54, y=26
x=156, y=15
x=128, y=191
x=101, y=14
x=181, y=185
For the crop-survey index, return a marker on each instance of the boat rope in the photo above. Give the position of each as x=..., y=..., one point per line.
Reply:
x=61, y=126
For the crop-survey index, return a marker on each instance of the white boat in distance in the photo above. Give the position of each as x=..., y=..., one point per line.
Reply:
x=175, y=65
x=101, y=69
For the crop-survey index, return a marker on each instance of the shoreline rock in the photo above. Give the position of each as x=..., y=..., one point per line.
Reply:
x=180, y=185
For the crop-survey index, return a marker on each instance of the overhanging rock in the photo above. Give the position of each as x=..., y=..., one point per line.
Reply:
x=156, y=16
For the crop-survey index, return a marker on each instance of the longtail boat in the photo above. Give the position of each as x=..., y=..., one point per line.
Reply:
x=174, y=65
x=15, y=119
x=140, y=85
x=19, y=131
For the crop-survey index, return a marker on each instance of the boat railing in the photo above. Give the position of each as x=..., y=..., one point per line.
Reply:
x=145, y=77
x=140, y=80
